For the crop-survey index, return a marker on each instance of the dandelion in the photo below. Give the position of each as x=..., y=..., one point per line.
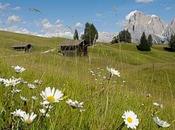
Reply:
x=28, y=118
x=18, y=113
x=18, y=69
x=160, y=122
x=130, y=119
x=75, y=104
x=31, y=86
x=113, y=71
x=51, y=95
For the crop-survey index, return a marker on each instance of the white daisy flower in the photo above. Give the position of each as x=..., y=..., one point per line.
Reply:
x=51, y=95
x=15, y=90
x=75, y=104
x=18, y=113
x=12, y=82
x=31, y=86
x=160, y=122
x=34, y=98
x=158, y=105
x=113, y=71
x=2, y=80
x=24, y=99
x=38, y=82
x=130, y=119
x=18, y=69
x=28, y=118
x=43, y=112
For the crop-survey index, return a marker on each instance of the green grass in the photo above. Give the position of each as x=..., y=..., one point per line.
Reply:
x=144, y=72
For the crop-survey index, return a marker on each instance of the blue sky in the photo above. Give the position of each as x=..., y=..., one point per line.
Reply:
x=107, y=15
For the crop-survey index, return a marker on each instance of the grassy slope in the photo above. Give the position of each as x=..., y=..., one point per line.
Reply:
x=151, y=72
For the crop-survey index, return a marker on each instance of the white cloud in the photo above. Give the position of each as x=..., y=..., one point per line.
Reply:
x=55, y=29
x=13, y=19
x=78, y=25
x=4, y=6
x=17, y=8
x=144, y=1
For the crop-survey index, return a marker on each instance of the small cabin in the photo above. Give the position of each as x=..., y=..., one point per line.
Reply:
x=24, y=47
x=74, y=47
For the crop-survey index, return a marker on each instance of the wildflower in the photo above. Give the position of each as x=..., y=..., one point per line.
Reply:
x=113, y=71
x=18, y=113
x=160, y=122
x=18, y=69
x=38, y=82
x=11, y=82
x=158, y=105
x=15, y=90
x=51, y=95
x=2, y=80
x=31, y=86
x=28, y=118
x=75, y=104
x=130, y=119
x=24, y=99
x=34, y=98
x=43, y=112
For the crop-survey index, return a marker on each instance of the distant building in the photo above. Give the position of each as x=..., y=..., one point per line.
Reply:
x=74, y=47
x=23, y=47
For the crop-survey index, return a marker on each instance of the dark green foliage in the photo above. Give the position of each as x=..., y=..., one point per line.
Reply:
x=115, y=40
x=172, y=43
x=124, y=36
x=144, y=45
x=90, y=34
x=76, y=37
x=150, y=40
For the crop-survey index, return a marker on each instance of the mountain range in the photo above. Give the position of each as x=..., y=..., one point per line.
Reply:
x=137, y=22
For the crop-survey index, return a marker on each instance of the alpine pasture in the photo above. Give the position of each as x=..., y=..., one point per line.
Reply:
x=145, y=86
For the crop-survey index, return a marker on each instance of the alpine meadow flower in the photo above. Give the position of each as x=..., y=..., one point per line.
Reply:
x=130, y=119
x=11, y=82
x=160, y=122
x=31, y=86
x=75, y=104
x=18, y=69
x=18, y=113
x=51, y=95
x=24, y=99
x=28, y=118
x=113, y=71
x=38, y=82
x=158, y=105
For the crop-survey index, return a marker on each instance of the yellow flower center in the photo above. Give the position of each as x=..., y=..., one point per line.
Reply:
x=28, y=121
x=129, y=119
x=51, y=99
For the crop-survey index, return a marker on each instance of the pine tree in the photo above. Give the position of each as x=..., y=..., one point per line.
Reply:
x=76, y=37
x=150, y=40
x=90, y=33
x=125, y=36
x=144, y=45
x=172, y=43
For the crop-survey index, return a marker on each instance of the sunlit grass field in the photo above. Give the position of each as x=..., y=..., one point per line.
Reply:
x=146, y=73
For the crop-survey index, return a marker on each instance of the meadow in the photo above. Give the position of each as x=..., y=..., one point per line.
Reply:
x=146, y=78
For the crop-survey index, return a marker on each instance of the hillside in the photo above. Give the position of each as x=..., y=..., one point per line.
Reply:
x=142, y=74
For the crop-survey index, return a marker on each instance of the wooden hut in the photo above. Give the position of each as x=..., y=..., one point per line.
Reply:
x=23, y=47
x=74, y=47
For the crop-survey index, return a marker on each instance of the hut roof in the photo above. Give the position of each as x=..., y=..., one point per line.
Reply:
x=21, y=45
x=71, y=42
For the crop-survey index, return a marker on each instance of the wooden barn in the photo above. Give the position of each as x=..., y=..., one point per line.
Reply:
x=74, y=47
x=23, y=47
